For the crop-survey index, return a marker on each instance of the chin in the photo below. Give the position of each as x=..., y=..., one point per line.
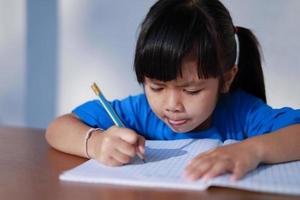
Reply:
x=180, y=130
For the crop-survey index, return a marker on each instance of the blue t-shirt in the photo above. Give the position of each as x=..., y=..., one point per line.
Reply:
x=237, y=116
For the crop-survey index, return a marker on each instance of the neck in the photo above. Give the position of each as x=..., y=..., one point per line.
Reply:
x=204, y=126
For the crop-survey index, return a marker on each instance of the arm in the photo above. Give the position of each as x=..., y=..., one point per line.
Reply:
x=67, y=133
x=114, y=147
x=279, y=146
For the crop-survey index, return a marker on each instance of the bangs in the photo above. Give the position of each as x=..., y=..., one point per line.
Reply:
x=166, y=38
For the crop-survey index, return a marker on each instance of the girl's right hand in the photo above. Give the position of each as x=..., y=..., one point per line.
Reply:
x=117, y=146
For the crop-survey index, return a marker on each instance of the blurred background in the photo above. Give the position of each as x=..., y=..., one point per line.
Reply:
x=51, y=51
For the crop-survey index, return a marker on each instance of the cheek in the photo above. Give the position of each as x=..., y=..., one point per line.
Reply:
x=203, y=106
x=153, y=100
x=154, y=105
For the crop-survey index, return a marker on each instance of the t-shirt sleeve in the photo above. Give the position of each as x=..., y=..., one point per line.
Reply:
x=262, y=118
x=93, y=114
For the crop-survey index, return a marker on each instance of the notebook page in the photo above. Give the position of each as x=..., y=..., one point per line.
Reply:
x=279, y=178
x=165, y=162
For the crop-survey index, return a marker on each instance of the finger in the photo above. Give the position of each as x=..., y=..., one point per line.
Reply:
x=220, y=167
x=129, y=136
x=141, y=144
x=114, y=142
x=239, y=171
x=125, y=148
x=110, y=161
x=202, y=158
x=140, y=149
x=197, y=168
x=120, y=157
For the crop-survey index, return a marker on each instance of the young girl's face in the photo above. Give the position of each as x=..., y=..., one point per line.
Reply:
x=185, y=104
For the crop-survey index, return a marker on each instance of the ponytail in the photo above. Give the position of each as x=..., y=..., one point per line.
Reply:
x=250, y=74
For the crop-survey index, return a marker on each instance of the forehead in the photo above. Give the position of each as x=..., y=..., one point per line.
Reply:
x=188, y=77
x=189, y=74
x=189, y=69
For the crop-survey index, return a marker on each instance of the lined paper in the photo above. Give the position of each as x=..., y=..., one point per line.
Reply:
x=166, y=160
x=280, y=178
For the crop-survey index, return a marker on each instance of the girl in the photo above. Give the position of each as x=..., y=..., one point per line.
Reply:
x=202, y=78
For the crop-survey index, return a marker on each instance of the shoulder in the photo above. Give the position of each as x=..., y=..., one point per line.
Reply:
x=252, y=116
x=236, y=105
x=135, y=102
x=232, y=112
x=239, y=101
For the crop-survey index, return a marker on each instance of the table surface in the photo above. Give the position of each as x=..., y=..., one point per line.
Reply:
x=29, y=169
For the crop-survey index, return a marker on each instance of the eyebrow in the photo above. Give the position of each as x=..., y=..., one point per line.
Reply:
x=183, y=84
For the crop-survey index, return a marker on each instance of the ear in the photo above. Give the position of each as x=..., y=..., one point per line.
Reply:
x=228, y=78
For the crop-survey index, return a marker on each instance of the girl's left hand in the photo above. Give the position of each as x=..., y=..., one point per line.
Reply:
x=236, y=158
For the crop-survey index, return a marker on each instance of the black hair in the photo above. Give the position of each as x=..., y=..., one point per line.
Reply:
x=173, y=29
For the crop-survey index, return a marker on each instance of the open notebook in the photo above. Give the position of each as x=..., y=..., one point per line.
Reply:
x=166, y=160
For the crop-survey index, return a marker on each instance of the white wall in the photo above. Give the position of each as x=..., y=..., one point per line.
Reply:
x=12, y=62
x=97, y=41
x=56, y=49
x=276, y=23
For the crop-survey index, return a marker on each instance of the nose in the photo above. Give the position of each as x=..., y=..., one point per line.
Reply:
x=173, y=102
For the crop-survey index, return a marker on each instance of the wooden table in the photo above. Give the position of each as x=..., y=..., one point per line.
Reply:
x=29, y=169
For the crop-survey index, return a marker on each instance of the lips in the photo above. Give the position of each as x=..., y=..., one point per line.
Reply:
x=176, y=122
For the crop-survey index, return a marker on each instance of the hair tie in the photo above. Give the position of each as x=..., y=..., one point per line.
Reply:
x=236, y=38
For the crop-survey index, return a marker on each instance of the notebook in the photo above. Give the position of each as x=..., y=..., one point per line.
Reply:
x=166, y=160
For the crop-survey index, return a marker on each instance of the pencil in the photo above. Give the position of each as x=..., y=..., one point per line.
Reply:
x=112, y=114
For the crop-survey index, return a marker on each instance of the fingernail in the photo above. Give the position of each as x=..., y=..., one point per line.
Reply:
x=233, y=178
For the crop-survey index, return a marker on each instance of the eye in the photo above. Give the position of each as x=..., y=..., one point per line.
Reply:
x=192, y=92
x=156, y=89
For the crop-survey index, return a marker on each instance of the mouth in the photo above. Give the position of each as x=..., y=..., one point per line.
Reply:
x=176, y=123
